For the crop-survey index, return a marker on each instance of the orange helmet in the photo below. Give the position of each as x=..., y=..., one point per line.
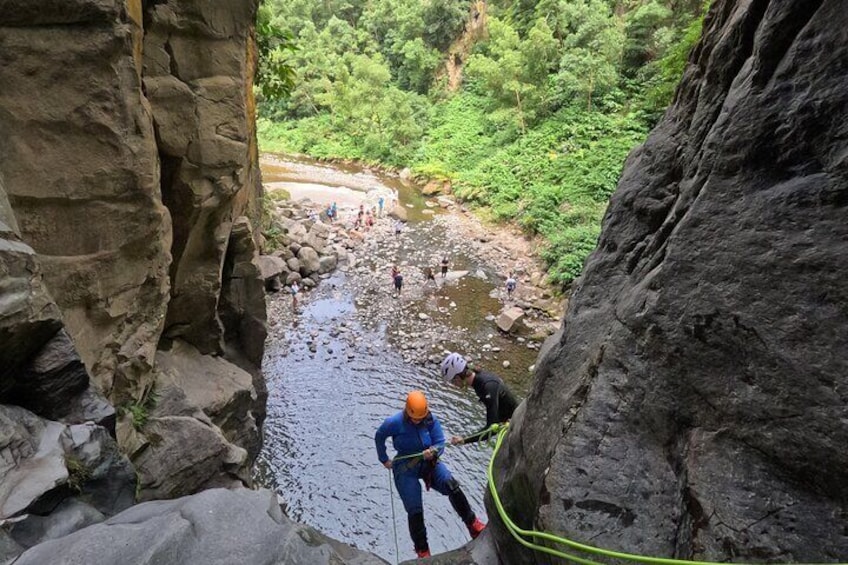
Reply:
x=416, y=405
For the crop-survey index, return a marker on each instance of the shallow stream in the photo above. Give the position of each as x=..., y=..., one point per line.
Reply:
x=342, y=363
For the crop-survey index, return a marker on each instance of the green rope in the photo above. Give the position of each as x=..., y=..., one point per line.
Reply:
x=484, y=434
x=517, y=532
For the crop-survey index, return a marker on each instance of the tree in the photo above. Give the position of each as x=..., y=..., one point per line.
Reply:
x=443, y=21
x=515, y=72
x=274, y=76
x=591, y=51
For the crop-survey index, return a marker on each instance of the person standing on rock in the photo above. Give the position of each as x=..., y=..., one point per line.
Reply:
x=380, y=202
x=511, y=283
x=444, y=266
x=416, y=430
x=397, y=278
x=295, y=288
x=499, y=401
x=398, y=228
x=335, y=210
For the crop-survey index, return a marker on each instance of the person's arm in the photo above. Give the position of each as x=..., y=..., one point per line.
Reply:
x=491, y=402
x=383, y=432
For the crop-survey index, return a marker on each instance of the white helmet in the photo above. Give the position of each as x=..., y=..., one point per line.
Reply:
x=453, y=365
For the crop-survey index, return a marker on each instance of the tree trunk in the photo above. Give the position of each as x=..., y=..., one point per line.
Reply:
x=520, y=112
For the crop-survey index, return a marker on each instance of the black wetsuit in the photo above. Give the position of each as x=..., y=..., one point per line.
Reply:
x=499, y=401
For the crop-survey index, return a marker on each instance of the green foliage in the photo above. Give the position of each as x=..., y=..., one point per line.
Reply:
x=78, y=472
x=275, y=76
x=665, y=73
x=139, y=410
x=554, y=96
x=443, y=21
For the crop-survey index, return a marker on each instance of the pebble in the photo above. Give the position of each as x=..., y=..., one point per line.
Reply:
x=505, y=364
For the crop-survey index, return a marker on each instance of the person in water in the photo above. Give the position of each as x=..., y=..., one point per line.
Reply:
x=499, y=401
x=444, y=267
x=416, y=430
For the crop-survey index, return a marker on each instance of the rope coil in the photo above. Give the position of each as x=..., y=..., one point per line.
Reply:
x=519, y=533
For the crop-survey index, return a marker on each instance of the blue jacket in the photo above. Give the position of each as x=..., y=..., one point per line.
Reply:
x=408, y=438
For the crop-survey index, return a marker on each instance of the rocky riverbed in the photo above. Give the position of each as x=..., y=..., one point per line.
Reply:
x=346, y=356
x=467, y=310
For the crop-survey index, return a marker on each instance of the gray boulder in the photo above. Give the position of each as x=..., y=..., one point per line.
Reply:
x=695, y=405
x=309, y=261
x=327, y=263
x=285, y=253
x=184, y=455
x=52, y=377
x=293, y=264
x=45, y=462
x=221, y=390
x=398, y=212
x=215, y=527
x=270, y=266
x=293, y=277
x=508, y=317
x=318, y=237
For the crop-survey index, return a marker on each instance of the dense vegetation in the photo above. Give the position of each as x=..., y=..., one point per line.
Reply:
x=554, y=94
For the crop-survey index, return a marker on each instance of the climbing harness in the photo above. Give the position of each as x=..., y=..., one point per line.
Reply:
x=519, y=534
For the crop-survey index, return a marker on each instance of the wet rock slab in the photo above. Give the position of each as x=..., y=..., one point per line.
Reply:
x=215, y=527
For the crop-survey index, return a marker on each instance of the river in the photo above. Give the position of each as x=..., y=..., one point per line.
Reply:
x=345, y=362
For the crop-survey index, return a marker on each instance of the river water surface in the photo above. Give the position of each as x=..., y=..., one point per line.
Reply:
x=338, y=367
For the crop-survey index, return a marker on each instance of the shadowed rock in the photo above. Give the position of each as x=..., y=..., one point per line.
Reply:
x=695, y=404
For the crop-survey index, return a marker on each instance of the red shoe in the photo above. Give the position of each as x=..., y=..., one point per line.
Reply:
x=423, y=553
x=475, y=527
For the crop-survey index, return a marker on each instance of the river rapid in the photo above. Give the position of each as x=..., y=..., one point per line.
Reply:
x=347, y=358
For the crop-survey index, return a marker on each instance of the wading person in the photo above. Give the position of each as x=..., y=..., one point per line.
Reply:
x=397, y=279
x=499, y=401
x=416, y=430
x=444, y=267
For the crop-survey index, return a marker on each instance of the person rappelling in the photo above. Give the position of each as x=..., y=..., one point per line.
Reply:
x=419, y=441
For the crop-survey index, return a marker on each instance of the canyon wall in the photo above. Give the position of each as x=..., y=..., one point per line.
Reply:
x=130, y=164
x=695, y=403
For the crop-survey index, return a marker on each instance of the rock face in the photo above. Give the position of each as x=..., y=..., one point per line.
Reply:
x=54, y=477
x=47, y=465
x=695, y=403
x=82, y=173
x=198, y=71
x=213, y=527
x=117, y=117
